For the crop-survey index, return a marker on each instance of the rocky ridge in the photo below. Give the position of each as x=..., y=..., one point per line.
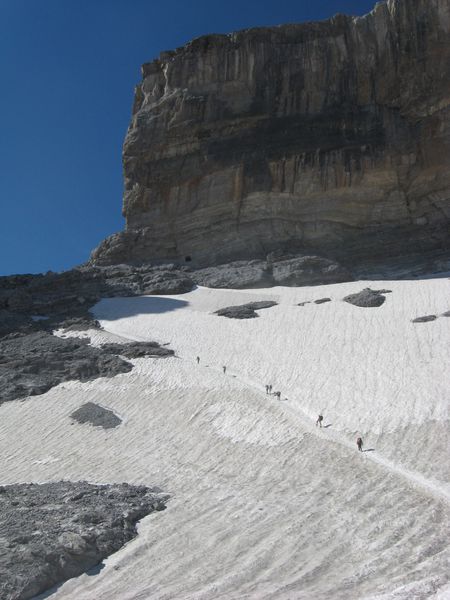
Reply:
x=328, y=139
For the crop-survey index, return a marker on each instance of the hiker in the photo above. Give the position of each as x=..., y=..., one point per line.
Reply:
x=267, y=389
x=359, y=443
x=319, y=420
x=198, y=359
x=270, y=388
x=278, y=395
x=224, y=369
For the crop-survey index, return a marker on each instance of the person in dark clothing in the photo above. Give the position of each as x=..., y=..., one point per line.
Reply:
x=198, y=359
x=319, y=420
x=224, y=369
x=359, y=443
x=267, y=389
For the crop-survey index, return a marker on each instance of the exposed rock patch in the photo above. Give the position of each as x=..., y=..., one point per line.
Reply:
x=55, y=531
x=322, y=300
x=236, y=275
x=308, y=270
x=367, y=298
x=137, y=349
x=244, y=311
x=96, y=415
x=33, y=363
x=446, y=313
x=424, y=319
x=66, y=297
x=277, y=269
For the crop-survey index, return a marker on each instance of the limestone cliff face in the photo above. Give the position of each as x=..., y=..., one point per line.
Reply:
x=331, y=136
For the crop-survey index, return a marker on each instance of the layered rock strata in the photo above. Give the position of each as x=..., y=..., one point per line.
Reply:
x=328, y=138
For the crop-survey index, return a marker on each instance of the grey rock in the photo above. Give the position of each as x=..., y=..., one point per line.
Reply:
x=137, y=349
x=55, y=531
x=31, y=364
x=446, y=313
x=11, y=322
x=424, y=319
x=277, y=269
x=328, y=138
x=82, y=323
x=57, y=295
x=244, y=311
x=367, y=298
x=96, y=415
x=236, y=275
x=322, y=300
x=308, y=270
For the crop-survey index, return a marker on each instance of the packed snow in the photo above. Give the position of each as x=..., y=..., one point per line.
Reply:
x=264, y=504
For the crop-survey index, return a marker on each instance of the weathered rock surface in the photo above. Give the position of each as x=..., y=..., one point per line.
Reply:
x=33, y=363
x=367, y=298
x=70, y=294
x=285, y=270
x=55, y=531
x=322, y=300
x=96, y=415
x=326, y=139
x=425, y=319
x=244, y=311
x=137, y=349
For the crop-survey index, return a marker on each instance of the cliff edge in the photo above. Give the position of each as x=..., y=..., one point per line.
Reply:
x=328, y=138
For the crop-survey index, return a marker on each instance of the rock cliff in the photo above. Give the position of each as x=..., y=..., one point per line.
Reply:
x=329, y=138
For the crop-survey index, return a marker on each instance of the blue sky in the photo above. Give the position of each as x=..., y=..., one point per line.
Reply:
x=68, y=70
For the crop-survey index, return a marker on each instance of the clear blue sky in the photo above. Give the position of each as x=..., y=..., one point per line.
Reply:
x=68, y=69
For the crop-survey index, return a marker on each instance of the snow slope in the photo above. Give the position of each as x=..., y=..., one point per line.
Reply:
x=264, y=504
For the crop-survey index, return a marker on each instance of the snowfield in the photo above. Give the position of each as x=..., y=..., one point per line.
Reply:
x=264, y=505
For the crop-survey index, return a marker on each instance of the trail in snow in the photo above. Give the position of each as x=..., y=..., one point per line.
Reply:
x=264, y=506
x=304, y=422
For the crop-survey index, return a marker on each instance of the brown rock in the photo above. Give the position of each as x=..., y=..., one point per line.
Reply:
x=330, y=138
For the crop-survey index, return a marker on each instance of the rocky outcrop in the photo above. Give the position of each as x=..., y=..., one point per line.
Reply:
x=284, y=270
x=245, y=311
x=96, y=415
x=33, y=363
x=137, y=349
x=367, y=298
x=55, y=531
x=425, y=319
x=329, y=139
x=52, y=300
